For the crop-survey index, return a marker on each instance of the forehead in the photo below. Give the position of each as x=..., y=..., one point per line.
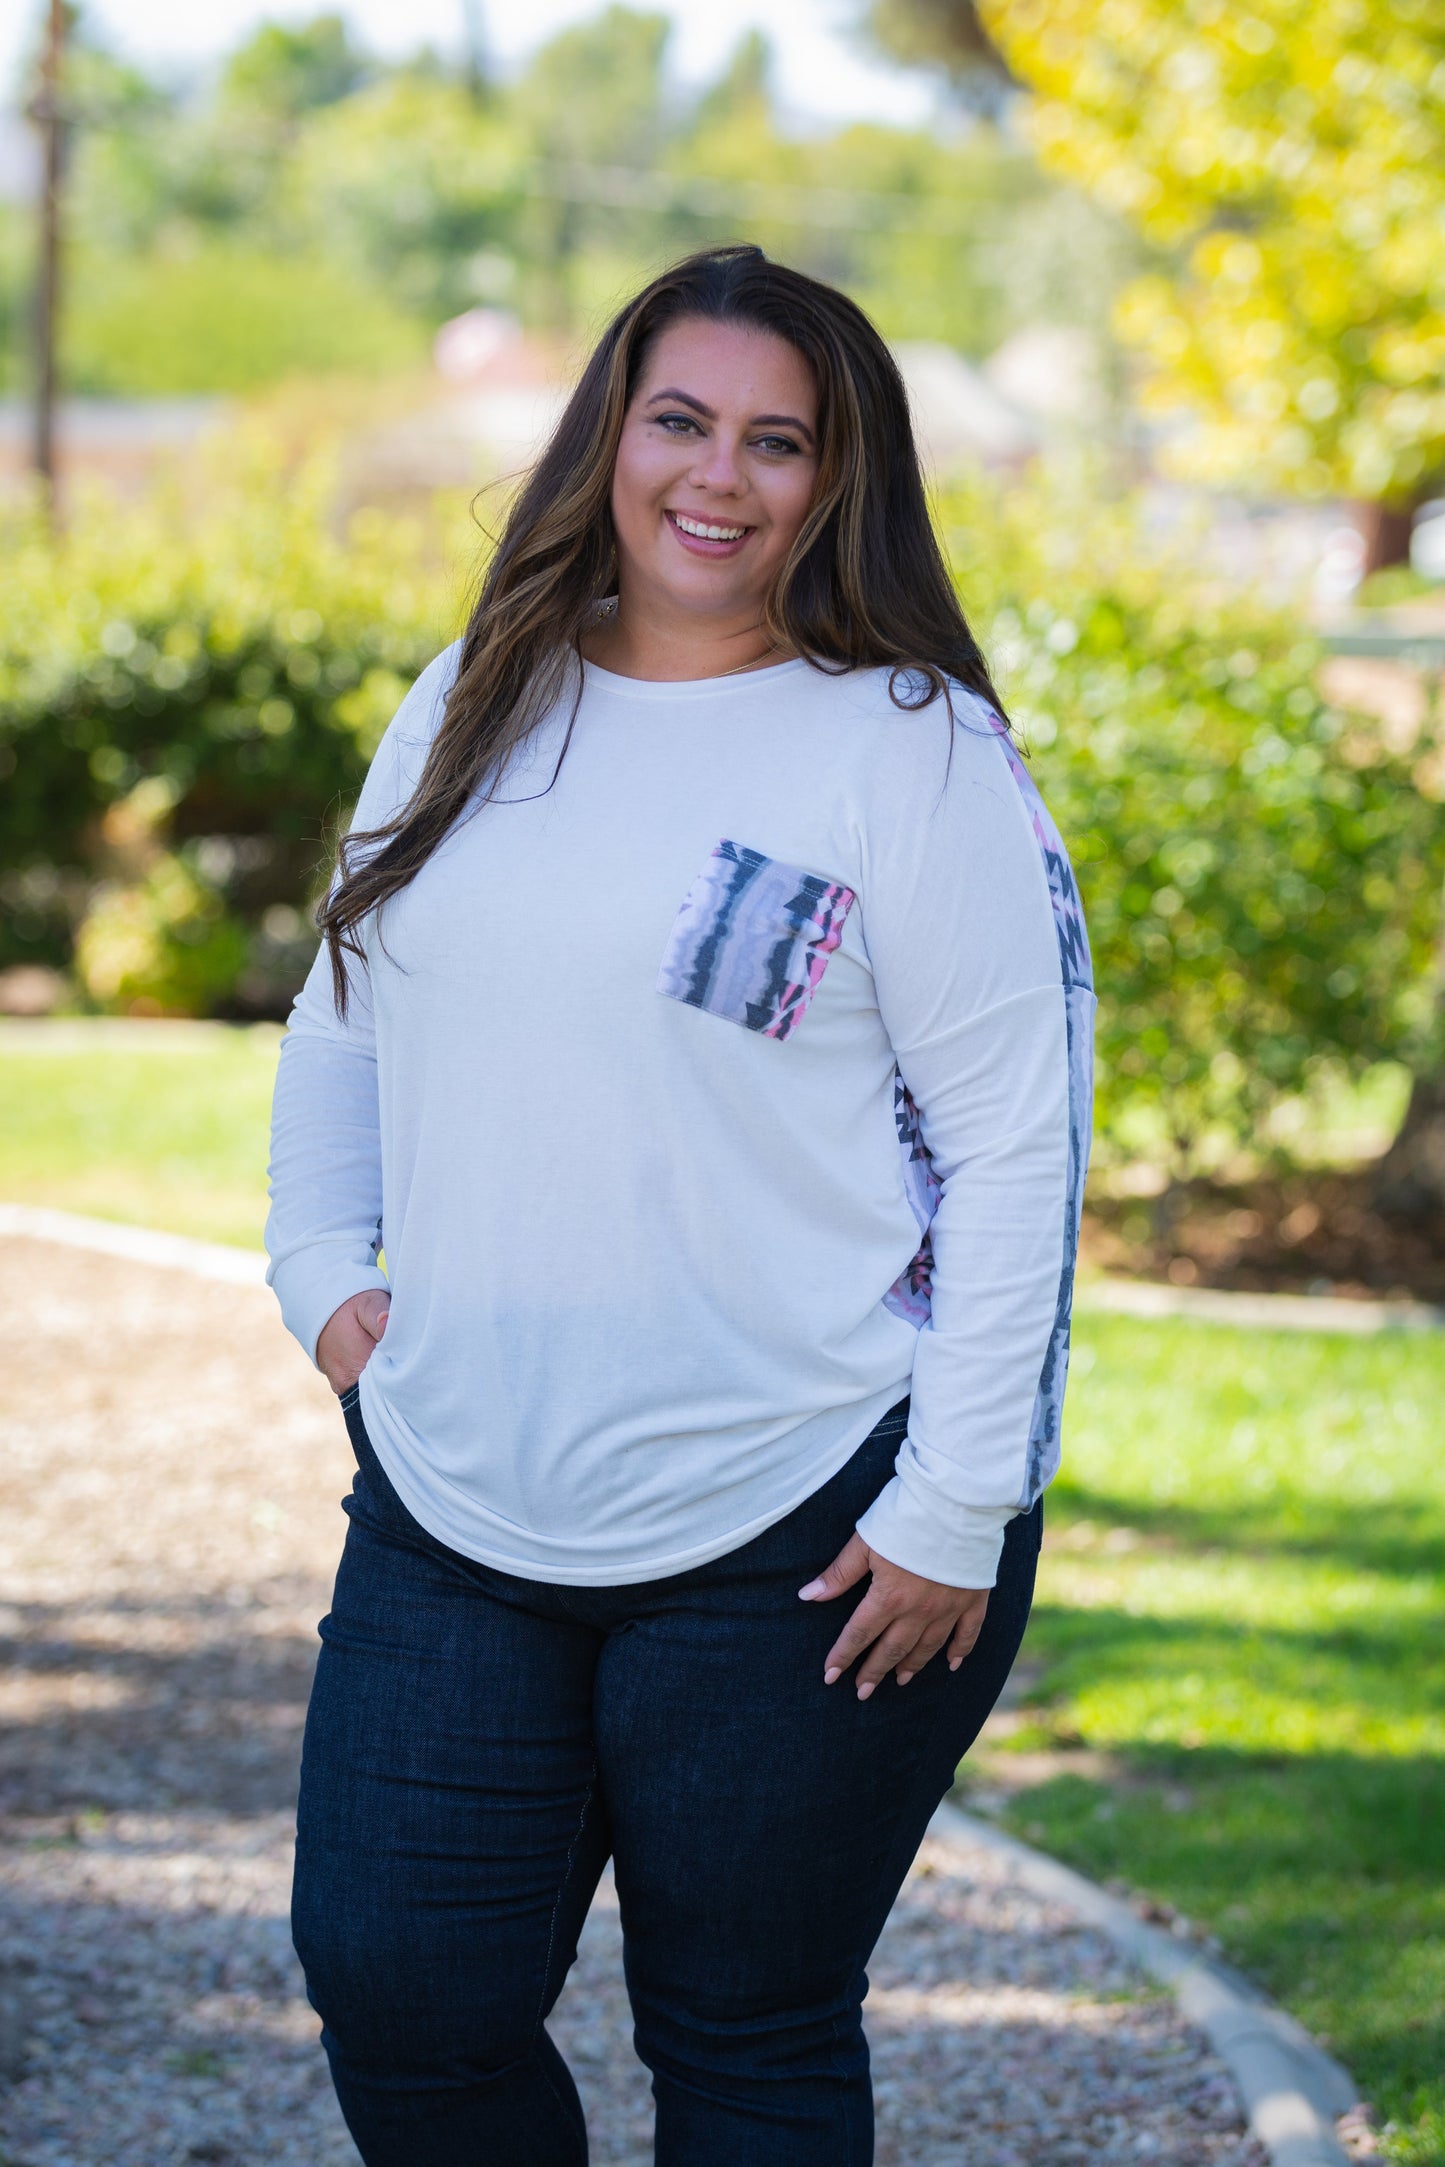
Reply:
x=733, y=368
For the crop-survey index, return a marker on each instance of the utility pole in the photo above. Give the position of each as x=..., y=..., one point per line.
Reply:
x=45, y=111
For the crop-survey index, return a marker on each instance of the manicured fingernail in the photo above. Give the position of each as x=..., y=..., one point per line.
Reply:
x=831, y=1677
x=864, y=1691
x=904, y=1676
x=954, y=1661
x=813, y=1590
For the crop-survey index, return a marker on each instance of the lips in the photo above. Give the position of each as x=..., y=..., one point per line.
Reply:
x=710, y=537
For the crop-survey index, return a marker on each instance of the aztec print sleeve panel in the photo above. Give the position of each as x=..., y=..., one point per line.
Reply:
x=977, y=942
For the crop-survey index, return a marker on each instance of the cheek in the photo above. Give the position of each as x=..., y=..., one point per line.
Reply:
x=629, y=496
x=642, y=474
x=788, y=497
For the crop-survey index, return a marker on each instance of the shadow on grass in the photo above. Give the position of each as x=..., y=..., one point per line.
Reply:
x=1401, y=1536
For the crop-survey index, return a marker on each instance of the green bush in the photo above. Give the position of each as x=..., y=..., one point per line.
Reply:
x=187, y=698
x=217, y=316
x=162, y=945
x=1261, y=874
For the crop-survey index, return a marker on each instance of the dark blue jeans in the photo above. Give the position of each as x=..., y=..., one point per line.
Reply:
x=478, y=1745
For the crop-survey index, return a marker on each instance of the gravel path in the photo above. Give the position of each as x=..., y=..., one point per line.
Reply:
x=169, y=1476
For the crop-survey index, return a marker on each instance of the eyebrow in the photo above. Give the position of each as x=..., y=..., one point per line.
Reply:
x=759, y=421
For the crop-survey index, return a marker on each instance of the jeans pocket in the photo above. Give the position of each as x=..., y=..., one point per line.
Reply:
x=371, y=1487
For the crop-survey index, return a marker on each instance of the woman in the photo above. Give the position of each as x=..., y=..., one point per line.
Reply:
x=702, y=1030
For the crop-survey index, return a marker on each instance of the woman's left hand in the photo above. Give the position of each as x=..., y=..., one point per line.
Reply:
x=903, y=1619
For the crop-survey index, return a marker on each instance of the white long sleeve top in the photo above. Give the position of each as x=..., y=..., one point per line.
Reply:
x=703, y=1100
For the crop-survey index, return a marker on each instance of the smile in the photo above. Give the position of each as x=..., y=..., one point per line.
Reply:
x=710, y=535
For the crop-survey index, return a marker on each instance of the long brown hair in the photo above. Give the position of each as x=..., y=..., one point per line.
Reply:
x=864, y=586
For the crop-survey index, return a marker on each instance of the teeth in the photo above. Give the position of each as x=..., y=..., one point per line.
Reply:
x=709, y=534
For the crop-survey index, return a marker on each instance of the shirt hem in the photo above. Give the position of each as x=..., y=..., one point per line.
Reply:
x=625, y=1573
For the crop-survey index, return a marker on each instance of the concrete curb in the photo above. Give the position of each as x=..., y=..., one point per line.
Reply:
x=141, y=1244
x=1293, y=2092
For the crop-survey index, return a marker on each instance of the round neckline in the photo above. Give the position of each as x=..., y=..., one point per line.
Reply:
x=665, y=688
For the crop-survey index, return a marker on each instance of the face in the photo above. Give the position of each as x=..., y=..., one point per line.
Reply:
x=716, y=468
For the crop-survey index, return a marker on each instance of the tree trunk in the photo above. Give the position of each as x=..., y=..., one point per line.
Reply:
x=1410, y=1182
x=1385, y=532
x=45, y=112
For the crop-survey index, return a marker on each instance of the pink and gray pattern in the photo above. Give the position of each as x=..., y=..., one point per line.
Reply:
x=752, y=939
x=910, y=1296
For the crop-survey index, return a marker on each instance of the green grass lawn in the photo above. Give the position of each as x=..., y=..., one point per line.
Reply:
x=160, y=1124
x=1237, y=1672
x=1239, y=1637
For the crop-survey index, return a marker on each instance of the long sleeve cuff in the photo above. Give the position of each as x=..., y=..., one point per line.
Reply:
x=311, y=1288
x=959, y=1546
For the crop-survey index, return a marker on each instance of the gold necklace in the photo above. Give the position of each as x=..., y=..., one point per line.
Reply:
x=737, y=666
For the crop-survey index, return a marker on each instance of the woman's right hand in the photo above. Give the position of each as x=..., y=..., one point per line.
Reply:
x=349, y=1336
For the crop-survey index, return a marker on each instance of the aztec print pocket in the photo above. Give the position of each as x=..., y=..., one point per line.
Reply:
x=752, y=939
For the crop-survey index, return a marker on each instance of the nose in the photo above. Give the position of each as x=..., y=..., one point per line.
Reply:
x=718, y=466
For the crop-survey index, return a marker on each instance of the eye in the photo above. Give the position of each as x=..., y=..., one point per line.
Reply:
x=777, y=444
x=674, y=423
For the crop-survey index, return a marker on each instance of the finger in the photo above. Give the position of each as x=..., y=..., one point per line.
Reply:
x=923, y=1651
x=965, y=1633
x=846, y=1570
x=883, y=1654
x=872, y=1617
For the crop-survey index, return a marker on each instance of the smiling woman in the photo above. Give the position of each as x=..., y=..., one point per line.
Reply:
x=704, y=1030
x=722, y=472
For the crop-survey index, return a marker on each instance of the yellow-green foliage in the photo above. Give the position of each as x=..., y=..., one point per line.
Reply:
x=160, y=945
x=1292, y=161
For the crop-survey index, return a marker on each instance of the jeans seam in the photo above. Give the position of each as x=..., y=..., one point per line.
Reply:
x=562, y=1891
x=841, y=2078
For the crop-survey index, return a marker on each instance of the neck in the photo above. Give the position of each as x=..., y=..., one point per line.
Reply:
x=670, y=647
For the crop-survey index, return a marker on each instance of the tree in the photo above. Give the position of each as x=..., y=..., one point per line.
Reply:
x=743, y=91
x=409, y=181
x=1289, y=165
x=286, y=70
